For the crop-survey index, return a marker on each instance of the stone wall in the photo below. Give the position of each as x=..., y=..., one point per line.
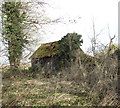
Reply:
x=46, y=63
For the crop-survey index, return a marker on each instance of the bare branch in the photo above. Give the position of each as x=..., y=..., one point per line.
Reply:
x=109, y=48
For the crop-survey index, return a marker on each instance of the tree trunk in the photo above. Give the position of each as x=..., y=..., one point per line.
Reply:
x=109, y=48
x=15, y=63
x=13, y=60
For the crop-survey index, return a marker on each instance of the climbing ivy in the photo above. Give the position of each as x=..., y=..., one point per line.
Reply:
x=12, y=30
x=67, y=49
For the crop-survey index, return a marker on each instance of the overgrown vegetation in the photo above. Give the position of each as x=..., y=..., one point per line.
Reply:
x=12, y=31
x=73, y=86
x=22, y=90
x=67, y=49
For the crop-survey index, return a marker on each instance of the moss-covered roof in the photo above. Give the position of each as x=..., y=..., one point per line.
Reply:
x=46, y=50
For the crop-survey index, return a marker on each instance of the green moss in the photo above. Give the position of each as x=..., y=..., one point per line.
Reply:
x=87, y=58
x=45, y=50
x=114, y=47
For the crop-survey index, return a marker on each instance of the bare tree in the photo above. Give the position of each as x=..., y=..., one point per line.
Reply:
x=94, y=38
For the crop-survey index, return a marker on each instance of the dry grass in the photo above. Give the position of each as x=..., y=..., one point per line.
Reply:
x=26, y=91
x=74, y=86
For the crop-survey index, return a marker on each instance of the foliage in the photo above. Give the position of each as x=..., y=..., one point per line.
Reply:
x=67, y=48
x=75, y=87
x=13, y=36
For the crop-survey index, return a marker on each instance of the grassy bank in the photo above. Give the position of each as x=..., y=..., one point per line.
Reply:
x=22, y=90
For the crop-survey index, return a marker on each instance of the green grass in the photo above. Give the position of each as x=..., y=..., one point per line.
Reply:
x=22, y=90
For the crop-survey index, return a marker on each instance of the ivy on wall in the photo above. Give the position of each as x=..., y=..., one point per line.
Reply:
x=67, y=48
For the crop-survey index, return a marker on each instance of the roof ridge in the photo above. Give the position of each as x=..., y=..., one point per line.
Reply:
x=40, y=48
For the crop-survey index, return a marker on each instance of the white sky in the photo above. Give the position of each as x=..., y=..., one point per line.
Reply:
x=104, y=12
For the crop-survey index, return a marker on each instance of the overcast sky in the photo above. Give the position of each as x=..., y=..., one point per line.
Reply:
x=104, y=13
